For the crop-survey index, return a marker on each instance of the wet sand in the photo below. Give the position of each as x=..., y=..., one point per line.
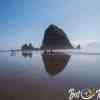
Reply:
x=45, y=76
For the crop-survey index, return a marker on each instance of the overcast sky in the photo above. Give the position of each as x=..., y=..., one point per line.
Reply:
x=24, y=21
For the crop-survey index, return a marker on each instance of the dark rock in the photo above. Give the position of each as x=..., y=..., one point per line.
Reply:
x=30, y=47
x=55, y=38
x=24, y=47
x=78, y=47
x=27, y=47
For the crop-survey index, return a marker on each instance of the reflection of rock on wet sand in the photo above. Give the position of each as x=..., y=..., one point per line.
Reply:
x=55, y=62
x=27, y=54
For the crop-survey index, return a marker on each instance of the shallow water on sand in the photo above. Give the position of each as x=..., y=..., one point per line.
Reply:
x=44, y=76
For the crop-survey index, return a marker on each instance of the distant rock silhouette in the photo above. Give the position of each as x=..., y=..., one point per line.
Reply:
x=30, y=47
x=55, y=62
x=55, y=38
x=24, y=47
x=78, y=47
x=27, y=47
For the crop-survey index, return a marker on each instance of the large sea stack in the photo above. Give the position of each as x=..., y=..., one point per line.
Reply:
x=55, y=38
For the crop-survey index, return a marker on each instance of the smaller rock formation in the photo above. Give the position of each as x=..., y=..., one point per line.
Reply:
x=27, y=47
x=78, y=47
x=30, y=47
x=24, y=47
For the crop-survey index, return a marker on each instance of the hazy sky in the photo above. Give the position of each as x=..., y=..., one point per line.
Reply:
x=24, y=21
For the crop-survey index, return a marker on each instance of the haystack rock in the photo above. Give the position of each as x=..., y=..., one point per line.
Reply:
x=55, y=38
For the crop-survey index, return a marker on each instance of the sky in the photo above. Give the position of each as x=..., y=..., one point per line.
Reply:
x=24, y=21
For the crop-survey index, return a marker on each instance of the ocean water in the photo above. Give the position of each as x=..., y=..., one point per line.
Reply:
x=42, y=75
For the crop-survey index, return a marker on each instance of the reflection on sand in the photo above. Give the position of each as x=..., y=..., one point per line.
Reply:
x=55, y=62
x=27, y=54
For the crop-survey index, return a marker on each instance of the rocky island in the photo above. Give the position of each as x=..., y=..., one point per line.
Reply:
x=26, y=47
x=55, y=38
